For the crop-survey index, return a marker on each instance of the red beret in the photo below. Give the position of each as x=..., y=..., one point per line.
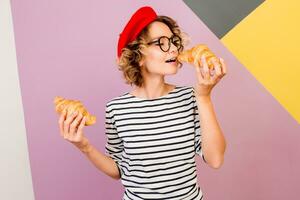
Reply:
x=139, y=20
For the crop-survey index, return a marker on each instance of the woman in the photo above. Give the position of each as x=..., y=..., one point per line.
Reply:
x=154, y=131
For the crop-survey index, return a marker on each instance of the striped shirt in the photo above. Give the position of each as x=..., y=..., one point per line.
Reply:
x=154, y=143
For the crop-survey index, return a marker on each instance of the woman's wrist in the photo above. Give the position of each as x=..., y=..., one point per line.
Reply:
x=84, y=146
x=86, y=149
x=203, y=99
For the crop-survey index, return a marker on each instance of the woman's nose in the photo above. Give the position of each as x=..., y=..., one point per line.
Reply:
x=173, y=48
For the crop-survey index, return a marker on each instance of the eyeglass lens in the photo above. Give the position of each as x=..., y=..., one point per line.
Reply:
x=165, y=43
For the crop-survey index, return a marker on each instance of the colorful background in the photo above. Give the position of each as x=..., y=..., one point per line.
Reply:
x=68, y=48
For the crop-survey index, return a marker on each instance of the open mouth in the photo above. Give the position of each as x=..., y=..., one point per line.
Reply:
x=172, y=60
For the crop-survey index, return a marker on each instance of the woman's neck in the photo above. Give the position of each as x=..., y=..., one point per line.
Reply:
x=152, y=91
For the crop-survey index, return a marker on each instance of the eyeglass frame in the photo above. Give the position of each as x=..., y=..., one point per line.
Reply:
x=169, y=42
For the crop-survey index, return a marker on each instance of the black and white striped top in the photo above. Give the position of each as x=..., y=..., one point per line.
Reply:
x=154, y=143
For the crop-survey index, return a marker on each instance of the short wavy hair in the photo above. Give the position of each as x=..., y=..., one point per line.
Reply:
x=132, y=54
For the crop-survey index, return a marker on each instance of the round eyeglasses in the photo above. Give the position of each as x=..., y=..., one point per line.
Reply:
x=165, y=43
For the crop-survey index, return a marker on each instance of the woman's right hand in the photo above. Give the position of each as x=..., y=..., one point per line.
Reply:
x=71, y=128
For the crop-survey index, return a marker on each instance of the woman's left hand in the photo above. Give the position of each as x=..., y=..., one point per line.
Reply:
x=208, y=78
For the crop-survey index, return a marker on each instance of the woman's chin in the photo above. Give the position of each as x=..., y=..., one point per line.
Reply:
x=171, y=69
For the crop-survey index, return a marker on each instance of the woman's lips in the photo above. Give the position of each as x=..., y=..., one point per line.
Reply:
x=173, y=63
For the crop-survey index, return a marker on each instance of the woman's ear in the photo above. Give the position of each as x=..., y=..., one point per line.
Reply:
x=141, y=62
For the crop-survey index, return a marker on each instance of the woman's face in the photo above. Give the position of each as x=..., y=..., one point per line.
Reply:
x=154, y=60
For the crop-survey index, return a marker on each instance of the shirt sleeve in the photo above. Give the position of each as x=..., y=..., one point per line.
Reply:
x=114, y=144
x=198, y=141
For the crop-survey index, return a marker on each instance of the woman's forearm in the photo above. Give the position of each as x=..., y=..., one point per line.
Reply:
x=213, y=141
x=103, y=162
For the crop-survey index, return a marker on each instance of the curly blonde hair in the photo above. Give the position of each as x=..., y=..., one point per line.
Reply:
x=132, y=54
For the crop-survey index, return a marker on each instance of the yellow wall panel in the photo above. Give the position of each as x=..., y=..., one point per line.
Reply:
x=267, y=43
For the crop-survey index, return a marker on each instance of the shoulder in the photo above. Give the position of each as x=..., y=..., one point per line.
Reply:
x=117, y=101
x=186, y=88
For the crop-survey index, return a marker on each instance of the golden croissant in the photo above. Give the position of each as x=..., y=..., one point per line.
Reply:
x=62, y=104
x=189, y=55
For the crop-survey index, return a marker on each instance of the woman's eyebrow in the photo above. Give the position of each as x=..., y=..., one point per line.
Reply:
x=157, y=37
x=154, y=38
x=161, y=36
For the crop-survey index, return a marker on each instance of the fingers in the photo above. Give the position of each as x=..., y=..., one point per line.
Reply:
x=71, y=126
x=217, y=67
x=67, y=123
x=81, y=125
x=224, y=67
x=217, y=76
x=61, y=122
x=74, y=124
x=199, y=66
x=206, y=73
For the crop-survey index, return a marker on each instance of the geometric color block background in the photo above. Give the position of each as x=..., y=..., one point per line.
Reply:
x=15, y=174
x=221, y=16
x=267, y=42
x=68, y=48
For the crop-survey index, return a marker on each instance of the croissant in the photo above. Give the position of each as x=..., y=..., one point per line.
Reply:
x=62, y=104
x=189, y=55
